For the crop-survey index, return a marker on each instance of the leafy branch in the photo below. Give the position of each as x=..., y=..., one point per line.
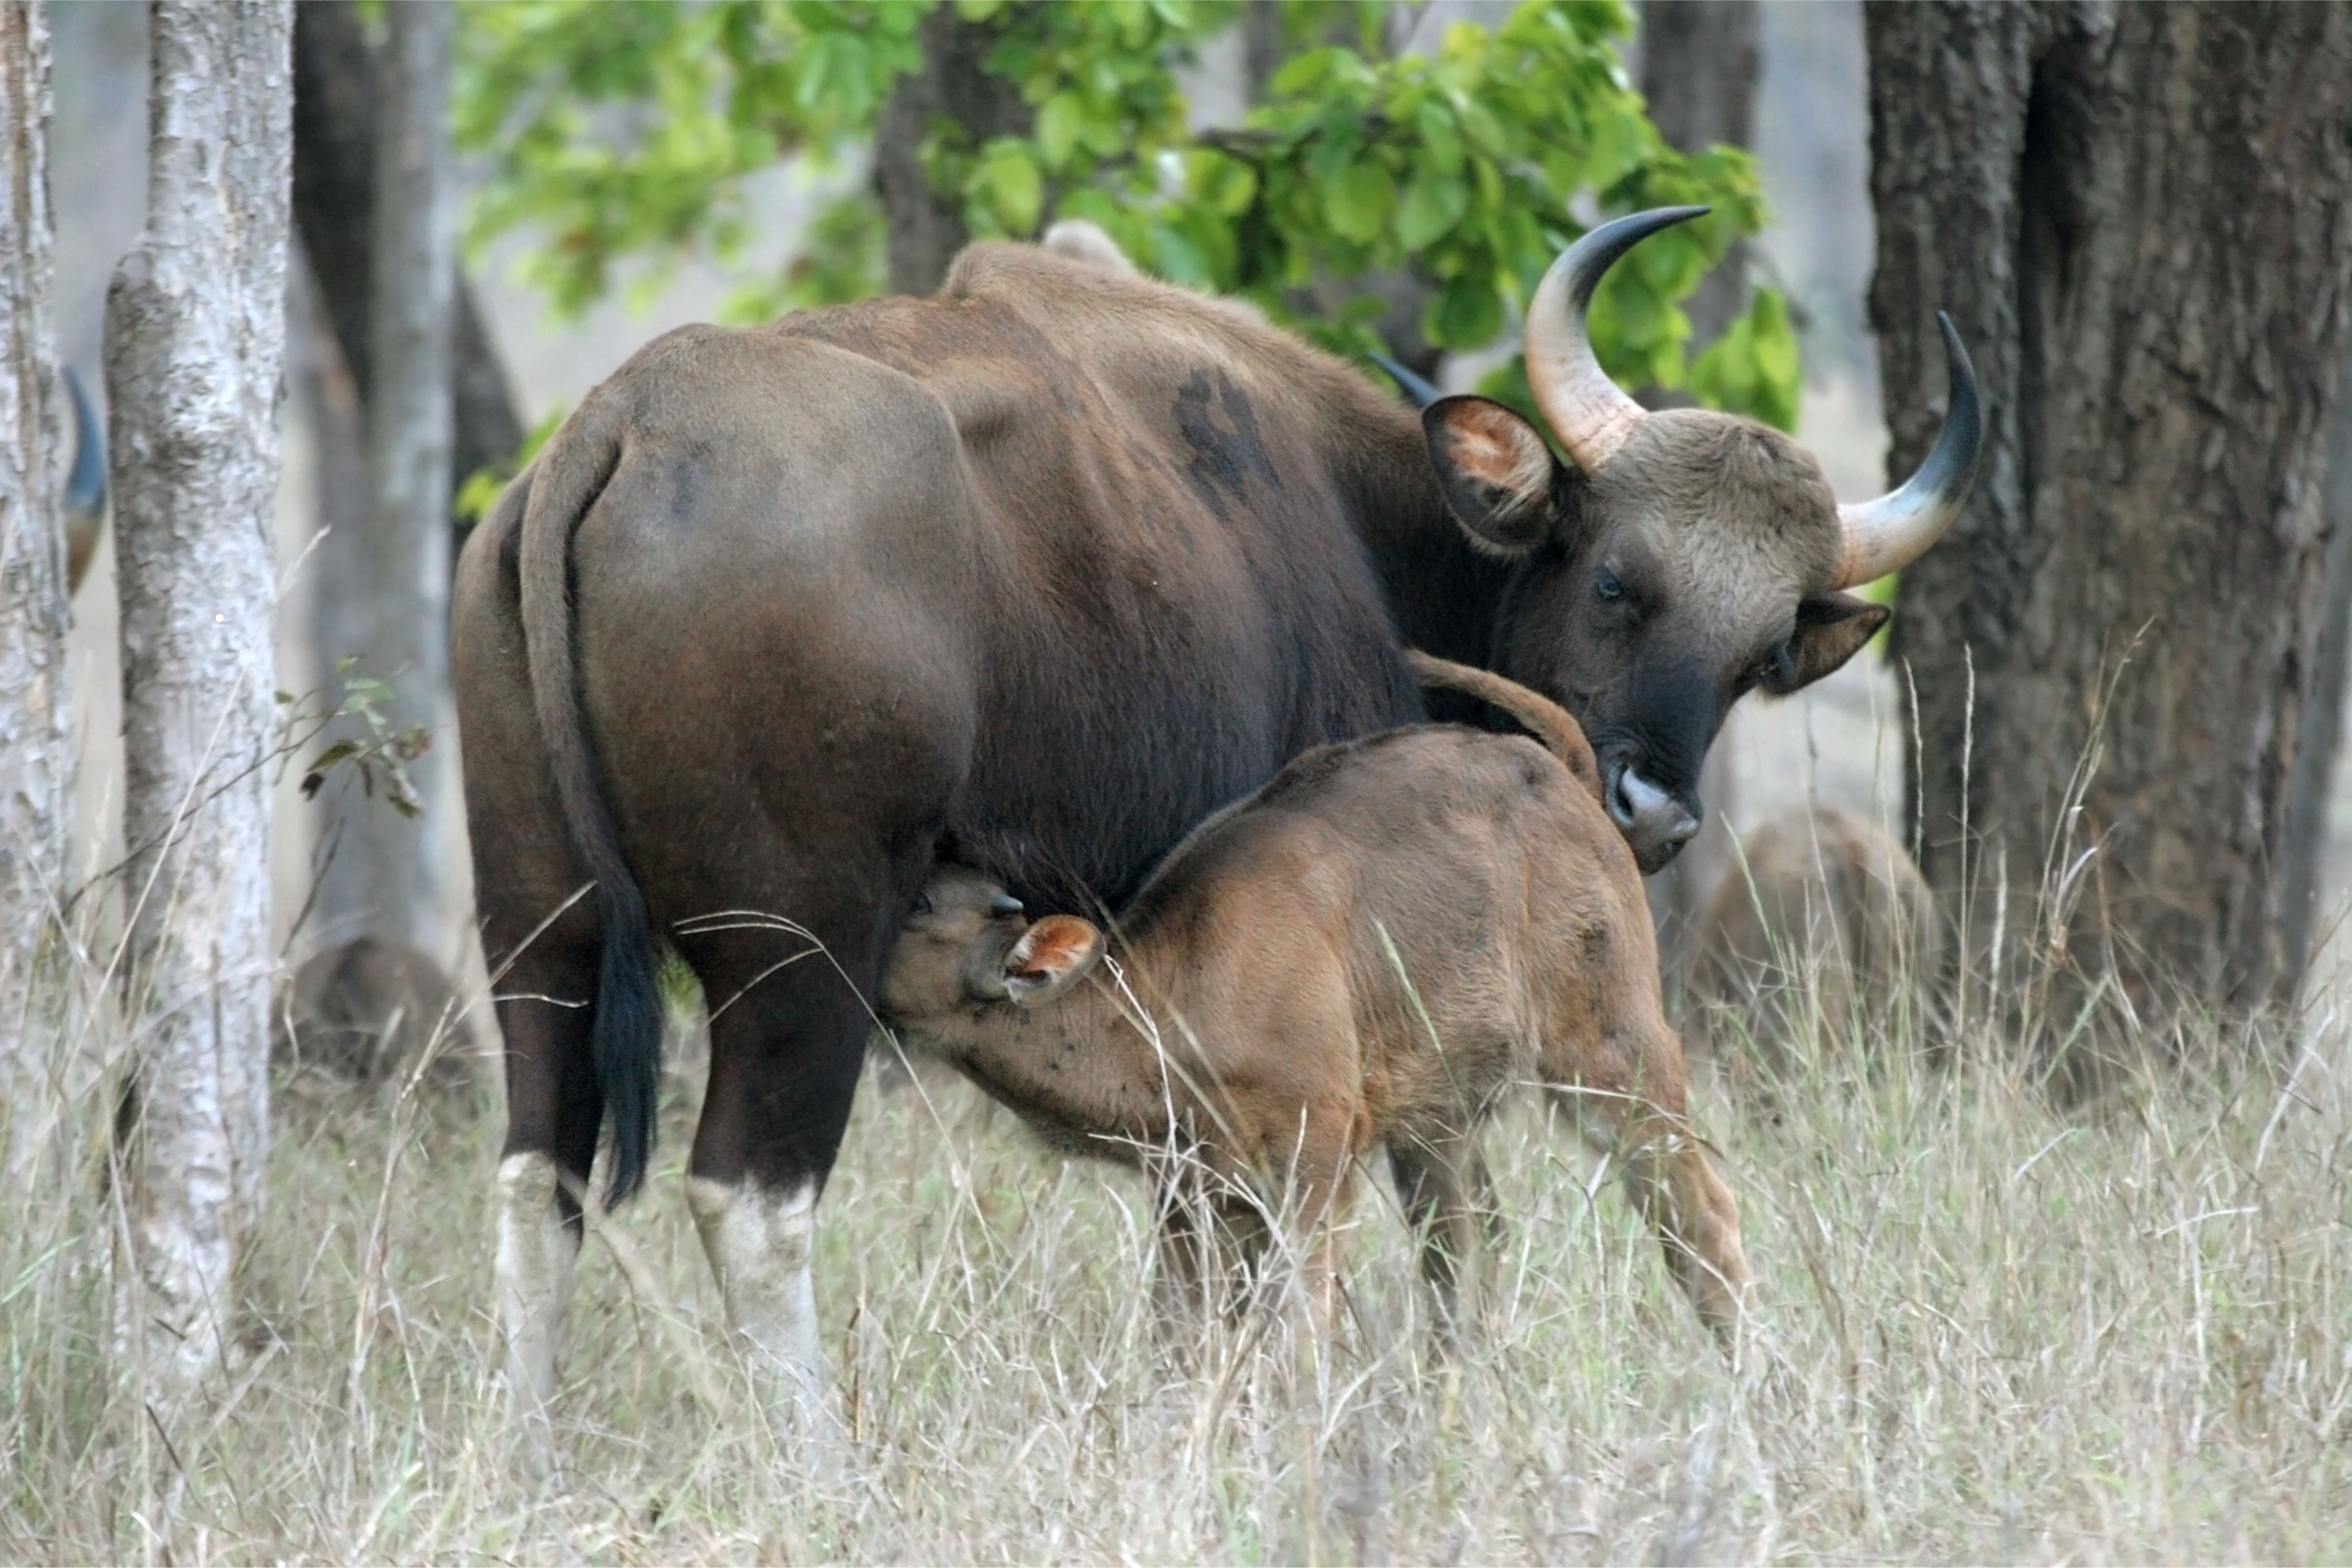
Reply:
x=631, y=129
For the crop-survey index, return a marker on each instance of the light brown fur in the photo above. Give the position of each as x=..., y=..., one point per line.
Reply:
x=359, y=1014
x=1822, y=922
x=1370, y=953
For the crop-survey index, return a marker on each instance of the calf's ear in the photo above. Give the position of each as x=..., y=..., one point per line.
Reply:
x=1495, y=470
x=1049, y=959
x=1830, y=630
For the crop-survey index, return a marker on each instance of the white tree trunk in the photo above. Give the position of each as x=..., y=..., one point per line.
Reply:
x=383, y=597
x=195, y=324
x=36, y=741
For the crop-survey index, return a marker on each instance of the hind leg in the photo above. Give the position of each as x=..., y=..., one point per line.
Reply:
x=551, y=1118
x=1444, y=1189
x=787, y=1044
x=540, y=937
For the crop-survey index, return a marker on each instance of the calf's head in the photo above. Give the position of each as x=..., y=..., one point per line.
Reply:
x=1679, y=558
x=967, y=944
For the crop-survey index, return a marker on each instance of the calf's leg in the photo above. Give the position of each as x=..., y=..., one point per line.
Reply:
x=1442, y=1187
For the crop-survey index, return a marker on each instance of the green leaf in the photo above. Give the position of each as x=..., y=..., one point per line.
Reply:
x=1433, y=203
x=1464, y=315
x=1358, y=199
x=1222, y=183
x=1753, y=368
x=1060, y=120
x=1016, y=191
x=1441, y=137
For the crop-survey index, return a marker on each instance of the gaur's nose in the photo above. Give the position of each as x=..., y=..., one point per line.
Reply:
x=1655, y=823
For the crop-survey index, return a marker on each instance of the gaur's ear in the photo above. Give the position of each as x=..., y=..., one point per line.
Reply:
x=1495, y=471
x=1830, y=630
x=1049, y=959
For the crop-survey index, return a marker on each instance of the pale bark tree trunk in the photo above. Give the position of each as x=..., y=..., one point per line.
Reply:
x=384, y=589
x=36, y=741
x=2140, y=217
x=194, y=339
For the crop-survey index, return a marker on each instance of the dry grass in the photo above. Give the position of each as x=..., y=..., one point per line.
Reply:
x=1987, y=1333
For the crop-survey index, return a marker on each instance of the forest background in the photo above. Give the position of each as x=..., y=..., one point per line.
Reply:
x=1968, y=1362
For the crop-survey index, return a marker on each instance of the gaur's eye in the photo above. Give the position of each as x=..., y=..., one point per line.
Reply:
x=922, y=906
x=1778, y=668
x=1605, y=584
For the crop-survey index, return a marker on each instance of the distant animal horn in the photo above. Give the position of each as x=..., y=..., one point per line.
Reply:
x=85, y=496
x=1889, y=533
x=1417, y=389
x=1590, y=413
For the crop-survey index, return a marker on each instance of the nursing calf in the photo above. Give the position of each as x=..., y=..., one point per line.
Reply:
x=1370, y=951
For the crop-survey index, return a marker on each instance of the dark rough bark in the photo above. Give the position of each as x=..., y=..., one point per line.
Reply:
x=1698, y=73
x=2140, y=218
x=2311, y=787
x=337, y=86
x=951, y=94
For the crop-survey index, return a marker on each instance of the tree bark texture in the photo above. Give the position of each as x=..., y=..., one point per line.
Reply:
x=1699, y=64
x=195, y=324
x=382, y=593
x=2140, y=218
x=953, y=96
x=337, y=87
x=2311, y=787
x=35, y=739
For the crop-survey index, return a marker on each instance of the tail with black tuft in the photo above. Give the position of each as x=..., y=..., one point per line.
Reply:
x=626, y=1035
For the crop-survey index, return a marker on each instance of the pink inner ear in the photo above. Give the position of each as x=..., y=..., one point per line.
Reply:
x=1051, y=949
x=1498, y=449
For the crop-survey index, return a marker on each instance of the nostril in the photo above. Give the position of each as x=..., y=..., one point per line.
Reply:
x=1634, y=800
x=1621, y=809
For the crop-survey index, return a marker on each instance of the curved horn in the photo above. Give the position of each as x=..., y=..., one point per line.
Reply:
x=85, y=497
x=1590, y=413
x=1889, y=533
x=1417, y=389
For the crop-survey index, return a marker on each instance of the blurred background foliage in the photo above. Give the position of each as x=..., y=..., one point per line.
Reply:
x=622, y=135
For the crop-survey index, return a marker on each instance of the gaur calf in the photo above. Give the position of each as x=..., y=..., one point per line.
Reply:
x=1368, y=952
x=1821, y=925
x=358, y=1015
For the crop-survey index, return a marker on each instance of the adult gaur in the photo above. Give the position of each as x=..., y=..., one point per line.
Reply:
x=1047, y=567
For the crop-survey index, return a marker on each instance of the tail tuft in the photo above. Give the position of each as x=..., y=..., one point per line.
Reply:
x=626, y=1037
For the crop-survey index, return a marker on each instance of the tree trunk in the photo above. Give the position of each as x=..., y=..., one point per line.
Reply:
x=36, y=741
x=2140, y=218
x=953, y=96
x=194, y=338
x=382, y=589
x=369, y=880
x=337, y=86
x=1699, y=61
x=2310, y=789
x=1698, y=73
